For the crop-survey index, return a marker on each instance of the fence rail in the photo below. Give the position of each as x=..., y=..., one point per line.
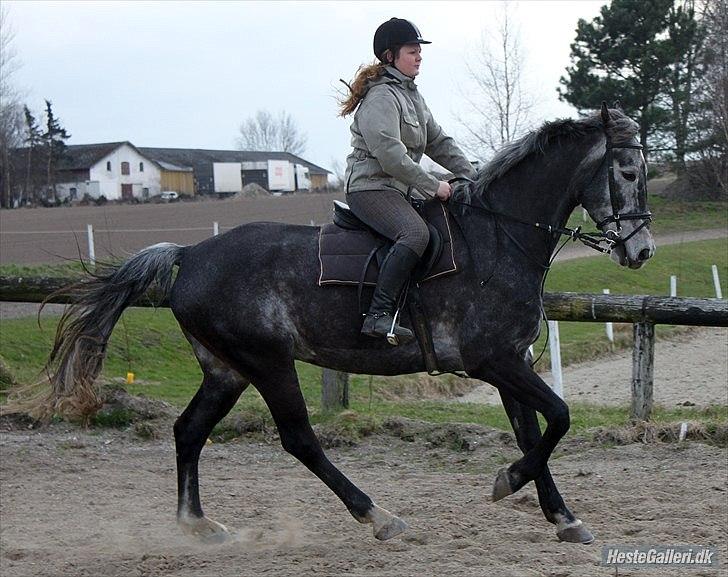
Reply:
x=644, y=312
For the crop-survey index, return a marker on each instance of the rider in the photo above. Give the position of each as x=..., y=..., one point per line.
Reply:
x=392, y=128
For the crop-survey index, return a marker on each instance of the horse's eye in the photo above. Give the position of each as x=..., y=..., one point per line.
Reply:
x=629, y=176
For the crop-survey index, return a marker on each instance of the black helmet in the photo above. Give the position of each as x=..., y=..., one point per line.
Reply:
x=395, y=32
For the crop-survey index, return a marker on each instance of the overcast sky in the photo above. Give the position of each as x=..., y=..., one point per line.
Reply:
x=185, y=74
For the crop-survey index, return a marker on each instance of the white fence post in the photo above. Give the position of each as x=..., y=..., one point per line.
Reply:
x=716, y=283
x=609, y=326
x=91, y=248
x=584, y=215
x=673, y=286
x=555, y=348
x=215, y=229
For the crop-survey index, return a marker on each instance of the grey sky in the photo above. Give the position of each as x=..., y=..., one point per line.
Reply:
x=185, y=74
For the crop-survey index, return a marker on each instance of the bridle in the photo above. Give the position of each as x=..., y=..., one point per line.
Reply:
x=611, y=239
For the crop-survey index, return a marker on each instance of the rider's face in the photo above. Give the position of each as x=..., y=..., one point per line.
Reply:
x=408, y=60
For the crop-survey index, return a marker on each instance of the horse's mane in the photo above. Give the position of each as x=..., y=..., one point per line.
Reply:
x=621, y=129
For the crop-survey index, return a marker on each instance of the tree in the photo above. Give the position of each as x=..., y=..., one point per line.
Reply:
x=53, y=140
x=33, y=140
x=624, y=54
x=498, y=105
x=685, y=36
x=709, y=115
x=11, y=112
x=266, y=132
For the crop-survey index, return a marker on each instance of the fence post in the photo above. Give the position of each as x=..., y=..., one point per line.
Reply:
x=643, y=357
x=673, y=285
x=91, y=248
x=555, y=349
x=609, y=326
x=334, y=390
x=716, y=283
x=215, y=228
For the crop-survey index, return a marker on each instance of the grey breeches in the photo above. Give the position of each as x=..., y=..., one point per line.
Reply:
x=392, y=216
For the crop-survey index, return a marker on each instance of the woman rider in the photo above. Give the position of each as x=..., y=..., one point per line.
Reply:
x=392, y=128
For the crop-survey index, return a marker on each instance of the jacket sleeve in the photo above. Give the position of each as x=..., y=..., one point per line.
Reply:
x=442, y=149
x=379, y=123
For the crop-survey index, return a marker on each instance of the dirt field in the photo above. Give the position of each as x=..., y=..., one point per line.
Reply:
x=48, y=235
x=102, y=504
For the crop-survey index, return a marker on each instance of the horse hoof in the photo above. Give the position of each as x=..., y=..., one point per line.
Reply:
x=206, y=530
x=502, y=485
x=395, y=527
x=576, y=534
x=385, y=524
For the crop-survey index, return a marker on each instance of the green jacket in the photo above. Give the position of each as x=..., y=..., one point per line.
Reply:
x=392, y=128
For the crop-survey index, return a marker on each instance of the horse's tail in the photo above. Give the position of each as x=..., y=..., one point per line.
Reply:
x=85, y=327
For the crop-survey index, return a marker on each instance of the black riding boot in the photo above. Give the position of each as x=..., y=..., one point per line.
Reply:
x=393, y=275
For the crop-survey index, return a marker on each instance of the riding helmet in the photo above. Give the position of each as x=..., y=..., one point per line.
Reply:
x=395, y=32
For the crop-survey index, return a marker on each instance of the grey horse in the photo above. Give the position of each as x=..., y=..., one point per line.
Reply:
x=249, y=303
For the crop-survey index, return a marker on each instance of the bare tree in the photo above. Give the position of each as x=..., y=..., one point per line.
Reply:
x=266, y=132
x=710, y=113
x=339, y=170
x=498, y=107
x=11, y=110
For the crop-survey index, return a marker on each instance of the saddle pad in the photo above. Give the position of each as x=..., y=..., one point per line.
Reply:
x=343, y=253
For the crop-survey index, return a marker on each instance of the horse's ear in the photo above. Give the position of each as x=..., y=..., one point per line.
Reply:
x=617, y=104
x=606, y=118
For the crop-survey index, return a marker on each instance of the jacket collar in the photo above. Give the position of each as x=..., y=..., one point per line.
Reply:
x=401, y=78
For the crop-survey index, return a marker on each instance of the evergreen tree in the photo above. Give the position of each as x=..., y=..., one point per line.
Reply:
x=686, y=37
x=33, y=139
x=53, y=138
x=623, y=55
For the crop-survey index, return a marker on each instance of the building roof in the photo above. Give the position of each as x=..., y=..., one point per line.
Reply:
x=194, y=156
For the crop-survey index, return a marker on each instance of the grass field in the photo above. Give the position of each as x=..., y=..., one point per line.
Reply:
x=150, y=344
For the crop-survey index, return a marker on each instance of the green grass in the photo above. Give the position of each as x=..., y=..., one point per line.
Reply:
x=150, y=344
x=674, y=216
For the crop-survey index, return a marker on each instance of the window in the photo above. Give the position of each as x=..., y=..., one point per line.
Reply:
x=125, y=168
x=108, y=166
x=145, y=193
x=141, y=167
x=73, y=193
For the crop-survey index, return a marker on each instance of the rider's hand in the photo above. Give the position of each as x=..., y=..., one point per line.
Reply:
x=443, y=191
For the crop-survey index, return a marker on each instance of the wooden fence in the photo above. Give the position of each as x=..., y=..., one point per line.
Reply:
x=644, y=312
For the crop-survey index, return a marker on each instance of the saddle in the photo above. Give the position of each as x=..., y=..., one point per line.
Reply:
x=350, y=252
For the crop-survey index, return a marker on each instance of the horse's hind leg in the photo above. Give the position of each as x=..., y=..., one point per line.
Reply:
x=528, y=434
x=281, y=392
x=220, y=390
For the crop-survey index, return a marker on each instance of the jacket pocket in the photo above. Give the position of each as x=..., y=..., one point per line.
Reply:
x=410, y=129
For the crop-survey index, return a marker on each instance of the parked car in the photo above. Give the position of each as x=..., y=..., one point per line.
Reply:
x=169, y=195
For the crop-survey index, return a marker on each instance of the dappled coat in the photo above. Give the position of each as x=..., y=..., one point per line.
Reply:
x=392, y=129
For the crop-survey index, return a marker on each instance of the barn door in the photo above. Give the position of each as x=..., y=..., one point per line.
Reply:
x=126, y=193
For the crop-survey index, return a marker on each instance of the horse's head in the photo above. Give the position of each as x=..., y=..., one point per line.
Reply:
x=616, y=198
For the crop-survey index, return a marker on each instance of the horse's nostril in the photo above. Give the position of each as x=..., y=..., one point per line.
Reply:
x=644, y=254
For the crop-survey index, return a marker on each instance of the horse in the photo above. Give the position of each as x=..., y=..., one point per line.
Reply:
x=249, y=303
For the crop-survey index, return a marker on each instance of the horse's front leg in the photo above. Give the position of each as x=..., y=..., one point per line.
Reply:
x=528, y=433
x=514, y=377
